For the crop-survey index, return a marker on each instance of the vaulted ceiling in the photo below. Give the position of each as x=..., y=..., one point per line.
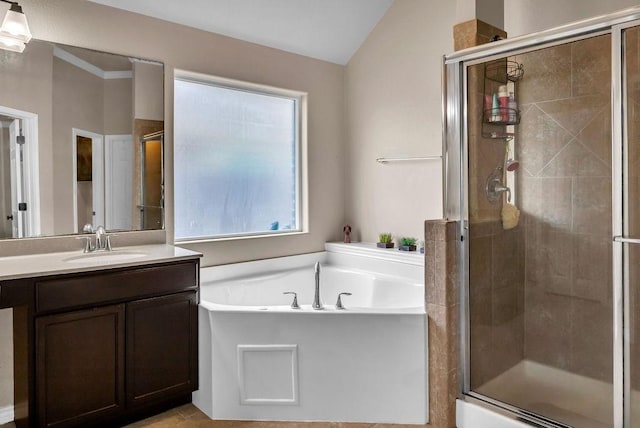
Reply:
x=331, y=30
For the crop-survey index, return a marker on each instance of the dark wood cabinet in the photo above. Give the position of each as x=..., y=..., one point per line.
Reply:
x=161, y=348
x=80, y=366
x=106, y=347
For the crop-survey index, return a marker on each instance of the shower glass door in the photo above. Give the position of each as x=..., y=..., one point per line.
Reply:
x=540, y=328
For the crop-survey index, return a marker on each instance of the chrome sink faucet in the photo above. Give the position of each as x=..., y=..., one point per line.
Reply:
x=317, y=304
x=102, y=241
x=100, y=238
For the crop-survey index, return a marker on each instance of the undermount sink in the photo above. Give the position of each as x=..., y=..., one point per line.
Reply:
x=109, y=256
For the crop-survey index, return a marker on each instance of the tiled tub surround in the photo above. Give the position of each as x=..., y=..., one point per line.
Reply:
x=262, y=360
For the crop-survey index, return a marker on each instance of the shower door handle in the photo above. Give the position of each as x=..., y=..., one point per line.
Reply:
x=624, y=240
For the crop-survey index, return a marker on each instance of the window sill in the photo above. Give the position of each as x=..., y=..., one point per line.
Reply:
x=240, y=237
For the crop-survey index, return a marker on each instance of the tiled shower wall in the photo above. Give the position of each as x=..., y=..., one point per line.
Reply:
x=542, y=291
x=496, y=257
x=564, y=191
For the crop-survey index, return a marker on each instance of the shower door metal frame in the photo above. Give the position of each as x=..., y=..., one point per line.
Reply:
x=620, y=228
x=456, y=191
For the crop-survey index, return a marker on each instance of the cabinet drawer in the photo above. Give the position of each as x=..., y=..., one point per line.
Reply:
x=95, y=288
x=16, y=292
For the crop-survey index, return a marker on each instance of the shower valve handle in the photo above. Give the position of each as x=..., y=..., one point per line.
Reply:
x=500, y=188
x=495, y=188
x=294, y=304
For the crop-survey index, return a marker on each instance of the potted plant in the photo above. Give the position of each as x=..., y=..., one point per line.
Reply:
x=421, y=247
x=407, y=244
x=385, y=240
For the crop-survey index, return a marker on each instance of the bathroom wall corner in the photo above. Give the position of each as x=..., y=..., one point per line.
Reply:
x=441, y=291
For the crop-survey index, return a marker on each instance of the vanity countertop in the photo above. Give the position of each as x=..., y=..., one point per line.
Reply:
x=33, y=265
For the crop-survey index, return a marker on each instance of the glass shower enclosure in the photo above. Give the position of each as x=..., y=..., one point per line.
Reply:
x=543, y=171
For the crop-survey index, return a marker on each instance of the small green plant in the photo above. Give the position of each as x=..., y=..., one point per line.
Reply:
x=407, y=242
x=385, y=238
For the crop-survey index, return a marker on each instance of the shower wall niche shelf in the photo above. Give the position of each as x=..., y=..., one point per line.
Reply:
x=500, y=110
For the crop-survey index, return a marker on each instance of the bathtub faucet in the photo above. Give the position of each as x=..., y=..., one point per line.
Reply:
x=317, y=305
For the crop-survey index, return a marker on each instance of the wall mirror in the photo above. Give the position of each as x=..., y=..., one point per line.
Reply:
x=81, y=141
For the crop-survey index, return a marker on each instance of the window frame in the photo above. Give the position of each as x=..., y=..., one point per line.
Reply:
x=300, y=144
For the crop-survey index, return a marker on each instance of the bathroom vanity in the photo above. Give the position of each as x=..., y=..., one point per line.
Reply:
x=100, y=339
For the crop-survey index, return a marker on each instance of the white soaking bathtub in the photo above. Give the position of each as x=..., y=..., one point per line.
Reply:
x=259, y=359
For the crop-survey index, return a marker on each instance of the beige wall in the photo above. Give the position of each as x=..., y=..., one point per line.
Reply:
x=26, y=85
x=528, y=16
x=489, y=11
x=78, y=100
x=83, y=101
x=118, y=106
x=148, y=95
x=393, y=101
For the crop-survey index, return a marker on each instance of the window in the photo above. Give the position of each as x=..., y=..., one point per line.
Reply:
x=238, y=169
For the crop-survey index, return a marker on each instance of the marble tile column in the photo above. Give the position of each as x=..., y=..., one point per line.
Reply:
x=441, y=287
x=473, y=33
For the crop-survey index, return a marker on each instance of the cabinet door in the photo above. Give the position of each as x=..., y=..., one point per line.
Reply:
x=162, y=335
x=80, y=366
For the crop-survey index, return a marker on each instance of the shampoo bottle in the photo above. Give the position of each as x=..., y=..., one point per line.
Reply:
x=495, y=110
x=513, y=108
x=503, y=101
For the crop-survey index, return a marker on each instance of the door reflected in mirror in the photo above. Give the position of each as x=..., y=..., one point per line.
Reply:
x=85, y=182
x=74, y=146
x=152, y=191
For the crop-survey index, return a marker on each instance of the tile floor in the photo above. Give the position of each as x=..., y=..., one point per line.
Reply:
x=188, y=416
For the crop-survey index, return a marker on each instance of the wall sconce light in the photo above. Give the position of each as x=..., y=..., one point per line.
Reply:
x=14, y=32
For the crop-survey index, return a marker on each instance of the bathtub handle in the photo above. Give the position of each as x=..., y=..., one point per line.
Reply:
x=294, y=304
x=339, y=302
